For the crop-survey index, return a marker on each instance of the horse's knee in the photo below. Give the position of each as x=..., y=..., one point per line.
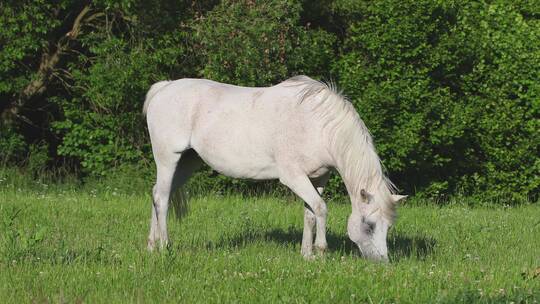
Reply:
x=320, y=210
x=309, y=217
x=160, y=194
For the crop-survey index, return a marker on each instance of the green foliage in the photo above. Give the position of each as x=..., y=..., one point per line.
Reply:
x=504, y=87
x=449, y=89
x=38, y=158
x=260, y=43
x=88, y=245
x=24, y=33
x=103, y=125
x=450, y=92
x=12, y=145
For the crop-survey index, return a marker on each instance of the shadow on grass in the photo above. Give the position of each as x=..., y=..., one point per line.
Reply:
x=399, y=246
x=336, y=243
x=404, y=246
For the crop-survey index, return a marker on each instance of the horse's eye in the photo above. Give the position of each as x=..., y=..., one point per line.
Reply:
x=370, y=227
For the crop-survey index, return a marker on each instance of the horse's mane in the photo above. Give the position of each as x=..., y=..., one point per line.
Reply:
x=350, y=140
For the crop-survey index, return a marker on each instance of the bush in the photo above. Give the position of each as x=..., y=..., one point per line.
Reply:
x=12, y=145
x=450, y=92
x=260, y=43
x=449, y=89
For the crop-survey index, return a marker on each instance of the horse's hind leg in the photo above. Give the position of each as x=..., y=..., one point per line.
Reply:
x=153, y=236
x=169, y=127
x=320, y=182
x=166, y=167
x=189, y=161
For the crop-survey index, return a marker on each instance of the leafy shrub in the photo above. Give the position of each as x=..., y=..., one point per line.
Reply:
x=103, y=126
x=449, y=89
x=25, y=29
x=38, y=158
x=260, y=43
x=12, y=145
x=450, y=92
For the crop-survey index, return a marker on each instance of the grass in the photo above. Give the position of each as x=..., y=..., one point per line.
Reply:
x=72, y=244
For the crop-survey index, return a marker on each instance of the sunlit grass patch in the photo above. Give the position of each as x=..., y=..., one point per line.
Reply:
x=84, y=245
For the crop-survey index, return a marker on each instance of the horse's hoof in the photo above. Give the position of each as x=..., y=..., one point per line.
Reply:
x=164, y=246
x=309, y=256
x=320, y=250
x=307, y=252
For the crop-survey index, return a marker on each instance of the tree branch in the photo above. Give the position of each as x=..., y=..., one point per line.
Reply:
x=49, y=60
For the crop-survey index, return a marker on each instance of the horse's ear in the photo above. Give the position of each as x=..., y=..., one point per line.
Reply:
x=364, y=195
x=398, y=198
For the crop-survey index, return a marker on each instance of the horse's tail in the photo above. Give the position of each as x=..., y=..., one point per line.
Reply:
x=156, y=87
x=179, y=202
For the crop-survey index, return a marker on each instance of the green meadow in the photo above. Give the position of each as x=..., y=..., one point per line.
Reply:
x=83, y=245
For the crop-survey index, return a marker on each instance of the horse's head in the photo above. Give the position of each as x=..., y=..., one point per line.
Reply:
x=368, y=225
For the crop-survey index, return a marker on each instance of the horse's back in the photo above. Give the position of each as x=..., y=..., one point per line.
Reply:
x=238, y=130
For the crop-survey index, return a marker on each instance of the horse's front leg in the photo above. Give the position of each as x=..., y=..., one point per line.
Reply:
x=301, y=185
x=320, y=241
x=307, y=237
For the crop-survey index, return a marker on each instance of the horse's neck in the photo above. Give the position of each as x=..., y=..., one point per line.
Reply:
x=358, y=164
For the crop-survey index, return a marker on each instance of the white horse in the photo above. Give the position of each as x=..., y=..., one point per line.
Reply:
x=296, y=131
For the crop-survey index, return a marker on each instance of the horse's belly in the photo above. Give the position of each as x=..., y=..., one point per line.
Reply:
x=239, y=161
